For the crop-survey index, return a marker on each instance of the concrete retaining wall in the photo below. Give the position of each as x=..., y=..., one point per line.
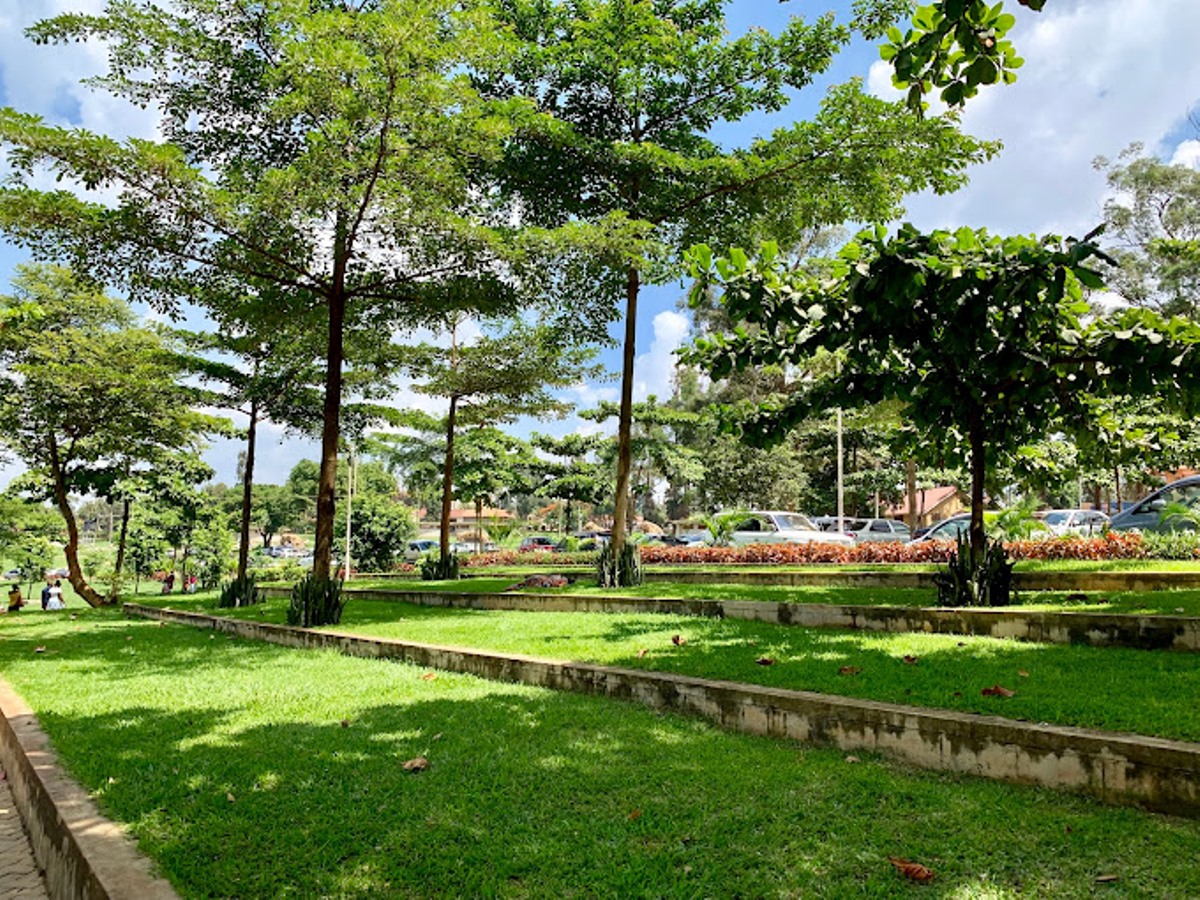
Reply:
x=1094, y=629
x=1124, y=769
x=83, y=854
x=886, y=578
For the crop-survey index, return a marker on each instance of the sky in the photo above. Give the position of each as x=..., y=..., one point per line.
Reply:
x=1098, y=76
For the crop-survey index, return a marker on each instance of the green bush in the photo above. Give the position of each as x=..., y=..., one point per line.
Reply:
x=316, y=602
x=1171, y=544
x=238, y=592
x=988, y=584
x=435, y=567
x=619, y=569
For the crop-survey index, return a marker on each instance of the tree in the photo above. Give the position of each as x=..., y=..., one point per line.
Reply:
x=327, y=156
x=572, y=474
x=981, y=337
x=31, y=555
x=496, y=379
x=275, y=507
x=1154, y=220
x=381, y=528
x=86, y=395
x=631, y=92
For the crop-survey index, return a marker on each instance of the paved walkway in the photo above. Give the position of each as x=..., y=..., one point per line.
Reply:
x=19, y=875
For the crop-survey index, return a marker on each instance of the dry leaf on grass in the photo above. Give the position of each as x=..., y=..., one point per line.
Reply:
x=635, y=815
x=39, y=649
x=997, y=690
x=345, y=723
x=1022, y=673
x=231, y=798
x=853, y=759
x=642, y=653
x=678, y=640
x=420, y=764
x=911, y=660
x=1107, y=879
x=429, y=676
x=765, y=661
x=849, y=670
x=911, y=870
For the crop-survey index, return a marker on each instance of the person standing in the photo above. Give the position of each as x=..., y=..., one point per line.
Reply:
x=56, y=597
x=46, y=592
x=15, y=600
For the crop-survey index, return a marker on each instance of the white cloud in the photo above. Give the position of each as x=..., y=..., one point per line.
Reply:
x=1187, y=154
x=654, y=369
x=1099, y=75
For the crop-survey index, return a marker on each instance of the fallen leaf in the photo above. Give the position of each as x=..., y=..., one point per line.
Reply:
x=345, y=723
x=129, y=637
x=997, y=691
x=438, y=736
x=962, y=643
x=678, y=640
x=1022, y=673
x=849, y=670
x=74, y=617
x=161, y=624
x=39, y=649
x=853, y=759
x=911, y=660
x=231, y=798
x=1179, y=609
x=1107, y=879
x=958, y=693
x=765, y=661
x=635, y=815
x=429, y=676
x=420, y=764
x=913, y=871
x=642, y=653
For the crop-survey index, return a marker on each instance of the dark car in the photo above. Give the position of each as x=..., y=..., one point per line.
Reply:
x=1147, y=514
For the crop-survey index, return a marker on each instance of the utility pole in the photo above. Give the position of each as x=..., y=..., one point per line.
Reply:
x=349, y=505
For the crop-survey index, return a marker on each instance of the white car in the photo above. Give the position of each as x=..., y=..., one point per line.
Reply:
x=416, y=549
x=781, y=527
x=870, y=531
x=1086, y=522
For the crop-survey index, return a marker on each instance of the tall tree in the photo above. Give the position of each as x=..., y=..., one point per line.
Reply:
x=632, y=92
x=981, y=337
x=328, y=151
x=572, y=473
x=85, y=393
x=1154, y=227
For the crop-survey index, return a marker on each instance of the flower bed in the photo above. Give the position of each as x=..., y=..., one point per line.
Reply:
x=1114, y=545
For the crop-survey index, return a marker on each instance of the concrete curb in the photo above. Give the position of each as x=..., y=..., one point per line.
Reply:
x=1180, y=633
x=1125, y=769
x=82, y=854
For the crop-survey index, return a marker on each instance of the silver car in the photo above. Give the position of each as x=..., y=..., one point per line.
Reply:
x=1085, y=522
x=866, y=531
x=946, y=530
x=1147, y=515
x=782, y=527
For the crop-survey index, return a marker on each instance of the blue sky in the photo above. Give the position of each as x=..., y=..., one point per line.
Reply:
x=1099, y=75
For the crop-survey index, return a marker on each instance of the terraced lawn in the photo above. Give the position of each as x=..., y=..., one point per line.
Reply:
x=252, y=771
x=1146, y=692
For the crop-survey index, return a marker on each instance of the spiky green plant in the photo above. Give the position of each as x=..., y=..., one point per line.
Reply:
x=316, y=602
x=620, y=569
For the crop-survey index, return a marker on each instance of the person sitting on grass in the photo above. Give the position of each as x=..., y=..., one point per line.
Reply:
x=15, y=600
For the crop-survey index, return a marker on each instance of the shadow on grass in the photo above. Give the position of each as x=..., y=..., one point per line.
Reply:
x=242, y=790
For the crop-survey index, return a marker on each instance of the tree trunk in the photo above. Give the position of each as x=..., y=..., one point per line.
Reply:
x=331, y=424
x=1116, y=490
x=247, y=494
x=910, y=485
x=71, y=550
x=625, y=421
x=187, y=548
x=978, y=471
x=448, y=481
x=478, y=524
x=114, y=594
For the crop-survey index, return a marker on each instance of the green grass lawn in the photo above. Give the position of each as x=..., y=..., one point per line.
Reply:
x=1184, y=601
x=1146, y=692
x=229, y=762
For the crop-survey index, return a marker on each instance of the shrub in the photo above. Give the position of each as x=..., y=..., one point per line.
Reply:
x=1172, y=545
x=238, y=592
x=621, y=568
x=964, y=584
x=435, y=567
x=316, y=602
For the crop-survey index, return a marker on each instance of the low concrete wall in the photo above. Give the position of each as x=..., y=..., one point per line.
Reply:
x=83, y=854
x=886, y=578
x=1118, y=768
x=1093, y=629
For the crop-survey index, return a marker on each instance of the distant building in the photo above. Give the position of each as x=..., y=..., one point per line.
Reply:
x=933, y=505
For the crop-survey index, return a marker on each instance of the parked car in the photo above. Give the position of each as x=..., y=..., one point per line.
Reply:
x=14, y=575
x=1146, y=515
x=945, y=530
x=539, y=543
x=781, y=527
x=876, y=530
x=416, y=549
x=1086, y=522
